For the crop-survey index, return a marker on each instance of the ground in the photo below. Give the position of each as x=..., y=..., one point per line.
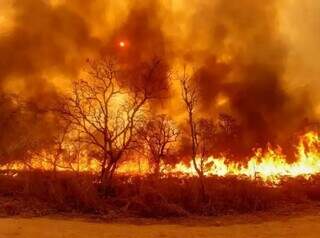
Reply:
x=265, y=226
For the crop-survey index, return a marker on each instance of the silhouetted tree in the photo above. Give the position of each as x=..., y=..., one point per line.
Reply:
x=190, y=97
x=206, y=137
x=159, y=135
x=107, y=114
x=228, y=135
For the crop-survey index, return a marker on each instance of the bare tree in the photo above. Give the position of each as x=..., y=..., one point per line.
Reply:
x=59, y=147
x=159, y=134
x=76, y=153
x=206, y=137
x=108, y=115
x=228, y=135
x=190, y=98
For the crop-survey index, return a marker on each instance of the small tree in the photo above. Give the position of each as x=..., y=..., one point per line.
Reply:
x=206, y=137
x=58, y=149
x=228, y=135
x=159, y=134
x=190, y=98
x=107, y=114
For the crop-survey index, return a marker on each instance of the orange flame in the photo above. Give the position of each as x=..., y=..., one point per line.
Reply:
x=270, y=166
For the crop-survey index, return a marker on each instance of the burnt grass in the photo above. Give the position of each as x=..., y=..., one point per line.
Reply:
x=41, y=193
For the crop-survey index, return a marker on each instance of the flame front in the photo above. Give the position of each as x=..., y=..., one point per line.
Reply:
x=270, y=166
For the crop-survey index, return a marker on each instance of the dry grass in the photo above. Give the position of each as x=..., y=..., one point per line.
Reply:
x=43, y=192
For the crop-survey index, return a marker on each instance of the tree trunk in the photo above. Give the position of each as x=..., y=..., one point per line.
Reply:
x=105, y=172
x=54, y=169
x=103, y=167
x=111, y=173
x=156, y=170
x=107, y=176
x=194, y=156
x=201, y=179
x=202, y=188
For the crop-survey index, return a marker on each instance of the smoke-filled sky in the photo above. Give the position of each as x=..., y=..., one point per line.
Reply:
x=257, y=60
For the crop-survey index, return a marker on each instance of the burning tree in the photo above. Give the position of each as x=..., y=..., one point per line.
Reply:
x=159, y=134
x=108, y=114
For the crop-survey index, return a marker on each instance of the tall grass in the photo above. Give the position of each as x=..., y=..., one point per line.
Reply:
x=148, y=196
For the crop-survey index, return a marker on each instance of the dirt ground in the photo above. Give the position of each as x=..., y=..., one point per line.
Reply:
x=307, y=226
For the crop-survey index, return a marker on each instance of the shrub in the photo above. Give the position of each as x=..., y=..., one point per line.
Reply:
x=150, y=196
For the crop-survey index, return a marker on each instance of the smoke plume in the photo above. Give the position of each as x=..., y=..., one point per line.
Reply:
x=244, y=54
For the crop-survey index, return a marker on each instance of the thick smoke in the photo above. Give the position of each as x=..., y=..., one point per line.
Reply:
x=245, y=61
x=144, y=57
x=45, y=40
x=241, y=57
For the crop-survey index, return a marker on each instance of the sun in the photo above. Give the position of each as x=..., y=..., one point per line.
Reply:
x=122, y=44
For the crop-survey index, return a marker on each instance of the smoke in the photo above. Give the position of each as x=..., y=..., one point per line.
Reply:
x=249, y=59
x=45, y=40
x=302, y=38
x=144, y=57
x=243, y=60
x=43, y=44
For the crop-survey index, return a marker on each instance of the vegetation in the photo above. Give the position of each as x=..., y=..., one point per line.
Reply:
x=107, y=119
x=39, y=193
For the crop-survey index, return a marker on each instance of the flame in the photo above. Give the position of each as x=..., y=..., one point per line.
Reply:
x=270, y=165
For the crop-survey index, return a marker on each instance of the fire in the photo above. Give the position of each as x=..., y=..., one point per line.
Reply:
x=270, y=165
